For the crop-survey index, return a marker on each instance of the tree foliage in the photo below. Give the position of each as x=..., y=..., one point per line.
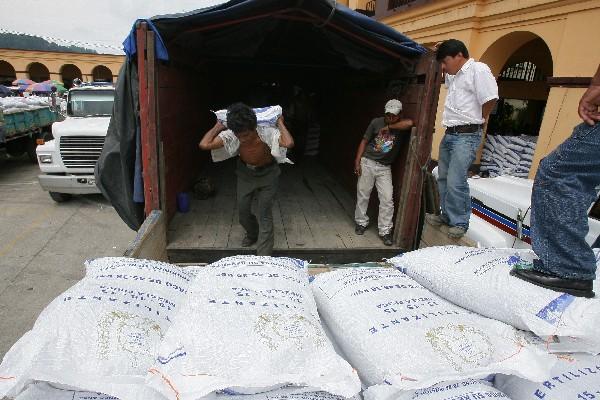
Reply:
x=26, y=42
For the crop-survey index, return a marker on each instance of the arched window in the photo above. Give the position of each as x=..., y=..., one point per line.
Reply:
x=38, y=72
x=102, y=73
x=523, y=71
x=7, y=73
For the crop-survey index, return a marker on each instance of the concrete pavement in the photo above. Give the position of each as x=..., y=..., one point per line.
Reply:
x=43, y=244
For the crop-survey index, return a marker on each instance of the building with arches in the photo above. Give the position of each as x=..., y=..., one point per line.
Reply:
x=544, y=52
x=61, y=66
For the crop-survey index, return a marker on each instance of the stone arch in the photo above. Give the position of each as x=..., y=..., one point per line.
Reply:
x=514, y=46
x=7, y=73
x=102, y=73
x=38, y=72
x=68, y=72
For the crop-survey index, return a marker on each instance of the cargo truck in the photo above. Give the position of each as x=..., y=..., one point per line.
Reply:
x=180, y=67
x=24, y=127
x=67, y=161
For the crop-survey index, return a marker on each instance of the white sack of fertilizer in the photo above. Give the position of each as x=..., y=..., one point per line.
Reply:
x=479, y=280
x=396, y=332
x=249, y=324
x=574, y=376
x=102, y=334
x=469, y=389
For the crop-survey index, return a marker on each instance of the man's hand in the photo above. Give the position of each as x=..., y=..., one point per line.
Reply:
x=588, y=105
x=280, y=121
x=385, y=130
x=219, y=127
x=357, y=169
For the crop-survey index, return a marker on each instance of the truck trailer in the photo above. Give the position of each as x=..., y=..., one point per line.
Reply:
x=180, y=67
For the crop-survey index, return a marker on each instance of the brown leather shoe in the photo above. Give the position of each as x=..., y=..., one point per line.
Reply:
x=575, y=287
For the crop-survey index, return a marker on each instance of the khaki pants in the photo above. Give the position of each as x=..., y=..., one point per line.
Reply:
x=380, y=175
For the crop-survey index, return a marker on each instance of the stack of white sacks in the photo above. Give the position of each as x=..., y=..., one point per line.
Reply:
x=508, y=155
x=10, y=105
x=443, y=323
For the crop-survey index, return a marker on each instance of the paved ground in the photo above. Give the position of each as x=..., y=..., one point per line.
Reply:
x=43, y=244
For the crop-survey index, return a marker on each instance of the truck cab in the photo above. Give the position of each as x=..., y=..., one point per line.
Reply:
x=67, y=162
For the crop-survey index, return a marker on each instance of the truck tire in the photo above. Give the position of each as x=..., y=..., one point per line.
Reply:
x=60, y=197
x=16, y=148
x=31, y=145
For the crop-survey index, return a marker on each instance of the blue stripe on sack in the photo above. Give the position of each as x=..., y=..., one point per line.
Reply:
x=172, y=356
x=553, y=311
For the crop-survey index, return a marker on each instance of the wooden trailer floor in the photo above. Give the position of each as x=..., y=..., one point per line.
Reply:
x=313, y=217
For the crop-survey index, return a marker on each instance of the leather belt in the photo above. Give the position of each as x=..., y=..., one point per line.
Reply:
x=464, y=128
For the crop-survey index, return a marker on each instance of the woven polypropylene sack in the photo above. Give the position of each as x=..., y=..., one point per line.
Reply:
x=479, y=280
x=103, y=333
x=469, y=389
x=575, y=376
x=44, y=391
x=249, y=324
x=287, y=394
x=396, y=332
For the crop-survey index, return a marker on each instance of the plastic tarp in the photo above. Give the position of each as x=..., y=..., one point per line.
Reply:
x=116, y=167
x=168, y=27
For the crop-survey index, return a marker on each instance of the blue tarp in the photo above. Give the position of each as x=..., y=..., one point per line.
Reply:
x=170, y=25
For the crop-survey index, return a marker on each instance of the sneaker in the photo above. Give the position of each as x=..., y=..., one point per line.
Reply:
x=435, y=220
x=387, y=239
x=456, y=232
x=359, y=229
x=248, y=241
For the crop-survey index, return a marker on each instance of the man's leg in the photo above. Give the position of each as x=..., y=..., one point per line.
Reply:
x=462, y=149
x=563, y=190
x=366, y=180
x=385, y=192
x=443, y=163
x=266, y=196
x=245, y=191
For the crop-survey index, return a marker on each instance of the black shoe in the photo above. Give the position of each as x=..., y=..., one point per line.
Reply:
x=575, y=287
x=387, y=239
x=359, y=229
x=248, y=241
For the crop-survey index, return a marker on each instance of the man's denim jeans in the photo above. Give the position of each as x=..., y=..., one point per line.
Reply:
x=457, y=153
x=563, y=191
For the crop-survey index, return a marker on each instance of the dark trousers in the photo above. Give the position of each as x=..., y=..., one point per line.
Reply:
x=260, y=184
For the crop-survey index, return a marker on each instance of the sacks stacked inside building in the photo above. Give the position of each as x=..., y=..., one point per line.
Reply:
x=441, y=323
x=508, y=155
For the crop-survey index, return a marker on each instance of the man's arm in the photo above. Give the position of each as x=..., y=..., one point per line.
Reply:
x=359, y=153
x=285, y=140
x=211, y=140
x=403, y=124
x=487, y=108
x=590, y=101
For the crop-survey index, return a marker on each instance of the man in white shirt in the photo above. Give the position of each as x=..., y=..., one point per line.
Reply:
x=472, y=94
x=257, y=169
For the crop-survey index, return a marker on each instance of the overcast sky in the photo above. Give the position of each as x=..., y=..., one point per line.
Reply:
x=105, y=22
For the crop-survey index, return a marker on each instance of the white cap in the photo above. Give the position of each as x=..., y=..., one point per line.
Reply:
x=393, y=106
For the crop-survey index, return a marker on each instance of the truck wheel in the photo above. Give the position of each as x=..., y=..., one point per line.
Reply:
x=31, y=145
x=16, y=148
x=60, y=197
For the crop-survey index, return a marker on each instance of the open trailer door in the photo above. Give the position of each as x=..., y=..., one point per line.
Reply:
x=356, y=66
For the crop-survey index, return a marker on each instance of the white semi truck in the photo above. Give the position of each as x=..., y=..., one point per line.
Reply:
x=67, y=162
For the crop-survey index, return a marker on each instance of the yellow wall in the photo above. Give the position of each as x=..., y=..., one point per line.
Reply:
x=494, y=29
x=21, y=59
